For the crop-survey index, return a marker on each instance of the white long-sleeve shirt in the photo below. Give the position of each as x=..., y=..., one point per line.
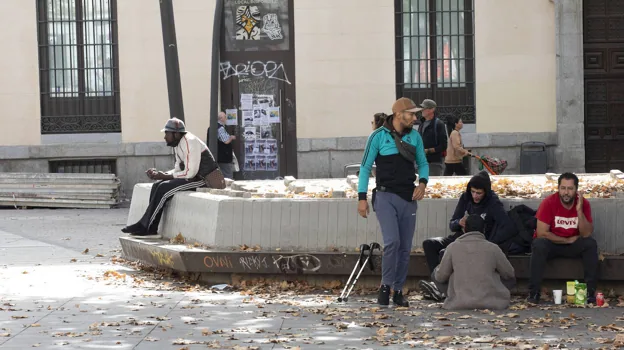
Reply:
x=188, y=151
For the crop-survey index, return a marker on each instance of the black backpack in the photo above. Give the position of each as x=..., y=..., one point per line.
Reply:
x=524, y=219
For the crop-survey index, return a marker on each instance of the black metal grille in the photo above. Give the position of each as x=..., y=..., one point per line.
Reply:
x=435, y=54
x=86, y=166
x=79, y=75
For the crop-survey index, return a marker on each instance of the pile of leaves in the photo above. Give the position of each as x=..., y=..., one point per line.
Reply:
x=505, y=187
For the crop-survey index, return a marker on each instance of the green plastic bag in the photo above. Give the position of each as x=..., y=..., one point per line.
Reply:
x=580, y=297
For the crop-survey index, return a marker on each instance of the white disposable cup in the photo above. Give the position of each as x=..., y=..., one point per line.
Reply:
x=557, y=294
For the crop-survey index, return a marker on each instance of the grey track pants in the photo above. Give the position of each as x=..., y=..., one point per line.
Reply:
x=397, y=219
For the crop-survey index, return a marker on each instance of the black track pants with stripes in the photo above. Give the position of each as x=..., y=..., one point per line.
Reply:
x=162, y=191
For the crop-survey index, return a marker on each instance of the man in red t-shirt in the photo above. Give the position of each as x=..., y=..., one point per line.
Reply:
x=564, y=228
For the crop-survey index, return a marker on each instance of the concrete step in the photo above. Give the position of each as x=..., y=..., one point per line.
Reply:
x=187, y=259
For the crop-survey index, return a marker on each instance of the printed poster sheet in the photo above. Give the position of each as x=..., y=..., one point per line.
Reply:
x=274, y=115
x=248, y=118
x=260, y=115
x=250, y=133
x=271, y=147
x=271, y=163
x=266, y=132
x=231, y=117
x=250, y=163
x=246, y=102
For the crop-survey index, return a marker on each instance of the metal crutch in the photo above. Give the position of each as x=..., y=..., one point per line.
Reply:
x=372, y=247
x=363, y=248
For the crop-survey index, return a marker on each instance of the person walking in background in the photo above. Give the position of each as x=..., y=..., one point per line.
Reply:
x=394, y=147
x=455, y=151
x=434, y=137
x=378, y=120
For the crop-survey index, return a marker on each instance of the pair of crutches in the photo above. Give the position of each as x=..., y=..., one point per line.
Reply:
x=365, y=251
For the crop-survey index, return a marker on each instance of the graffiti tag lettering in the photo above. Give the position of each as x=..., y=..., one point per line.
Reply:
x=269, y=69
x=253, y=262
x=218, y=261
x=297, y=263
x=163, y=258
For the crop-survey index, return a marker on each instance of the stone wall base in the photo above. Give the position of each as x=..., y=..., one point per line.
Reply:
x=326, y=158
x=132, y=159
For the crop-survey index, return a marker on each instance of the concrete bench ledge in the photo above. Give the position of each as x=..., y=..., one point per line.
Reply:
x=323, y=224
x=194, y=260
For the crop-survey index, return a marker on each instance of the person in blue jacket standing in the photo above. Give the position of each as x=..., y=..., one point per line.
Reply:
x=394, y=147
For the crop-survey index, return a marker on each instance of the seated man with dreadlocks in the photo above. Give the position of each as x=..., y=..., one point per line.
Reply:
x=193, y=162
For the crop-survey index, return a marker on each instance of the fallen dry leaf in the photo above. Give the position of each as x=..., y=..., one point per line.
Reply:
x=619, y=340
x=73, y=260
x=85, y=251
x=603, y=340
x=444, y=339
x=178, y=239
x=486, y=339
x=382, y=332
x=181, y=341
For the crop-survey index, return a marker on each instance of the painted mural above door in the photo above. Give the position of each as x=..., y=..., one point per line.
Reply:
x=256, y=25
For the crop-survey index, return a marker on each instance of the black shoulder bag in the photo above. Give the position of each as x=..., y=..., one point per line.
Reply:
x=405, y=149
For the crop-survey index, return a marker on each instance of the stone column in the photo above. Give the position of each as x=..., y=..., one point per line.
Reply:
x=570, y=152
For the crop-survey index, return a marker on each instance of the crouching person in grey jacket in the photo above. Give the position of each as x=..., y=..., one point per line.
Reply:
x=478, y=274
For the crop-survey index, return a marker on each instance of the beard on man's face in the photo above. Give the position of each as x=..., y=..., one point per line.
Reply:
x=174, y=141
x=567, y=198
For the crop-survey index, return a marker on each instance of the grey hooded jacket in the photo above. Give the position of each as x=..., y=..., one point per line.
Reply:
x=473, y=268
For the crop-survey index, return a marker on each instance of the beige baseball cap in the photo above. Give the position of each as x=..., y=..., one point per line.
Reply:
x=405, y=104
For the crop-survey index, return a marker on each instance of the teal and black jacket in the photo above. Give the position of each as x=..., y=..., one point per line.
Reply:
x=394, y=172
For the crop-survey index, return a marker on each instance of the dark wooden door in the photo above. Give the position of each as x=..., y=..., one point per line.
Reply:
x=603, y=55
x=257, y=72
x=262, y=143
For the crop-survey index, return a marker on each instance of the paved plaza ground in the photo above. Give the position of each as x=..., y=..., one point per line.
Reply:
x=63, y=286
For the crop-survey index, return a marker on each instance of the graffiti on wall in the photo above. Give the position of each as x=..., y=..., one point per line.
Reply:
x=297, y=263
x=256, y=25
x=248, y=20
x=218, y=261
x=268, y=69
x=260, y=263
x=163, y=258
x=271, y=26
x=253, y=263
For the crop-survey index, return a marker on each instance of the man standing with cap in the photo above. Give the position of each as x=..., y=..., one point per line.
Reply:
x=193, y=162
x=394, y=147
x=433, y=133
